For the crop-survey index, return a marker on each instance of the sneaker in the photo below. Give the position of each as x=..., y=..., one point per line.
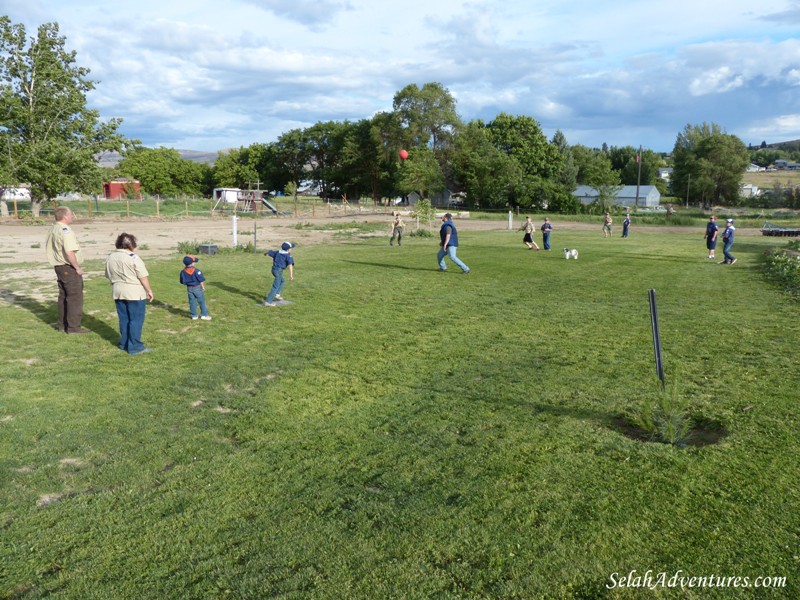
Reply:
x=467, y=272
x=206, y=318
x=79, y=330
x=267, y=304
x=278, y=297
x=195, y=318
x=733, y=261
x=142, y=351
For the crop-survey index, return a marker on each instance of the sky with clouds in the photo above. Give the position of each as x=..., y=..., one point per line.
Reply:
x=205, y=75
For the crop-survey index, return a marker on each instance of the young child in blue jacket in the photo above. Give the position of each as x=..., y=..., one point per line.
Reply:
x=281, y=260
x=194, y=280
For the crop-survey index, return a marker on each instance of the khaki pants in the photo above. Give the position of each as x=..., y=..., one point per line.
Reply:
x=70, y=298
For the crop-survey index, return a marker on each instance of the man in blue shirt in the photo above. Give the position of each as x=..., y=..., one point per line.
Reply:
x=449, y=244
x=281, y=259
x=712, y=231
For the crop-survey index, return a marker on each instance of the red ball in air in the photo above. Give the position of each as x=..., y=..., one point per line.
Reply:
x=403, y=154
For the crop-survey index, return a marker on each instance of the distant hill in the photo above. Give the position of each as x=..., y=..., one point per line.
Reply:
x=110, y=159
x=793, y=145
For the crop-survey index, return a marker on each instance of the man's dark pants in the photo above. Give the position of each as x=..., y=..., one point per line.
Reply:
x=70, y=298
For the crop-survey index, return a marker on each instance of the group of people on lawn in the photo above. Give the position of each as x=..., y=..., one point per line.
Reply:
x=131, y=289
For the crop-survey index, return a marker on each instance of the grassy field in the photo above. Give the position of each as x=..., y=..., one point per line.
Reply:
x=767, y=180
x=398, y=432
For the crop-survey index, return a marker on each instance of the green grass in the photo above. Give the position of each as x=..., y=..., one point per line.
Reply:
x=400, y=432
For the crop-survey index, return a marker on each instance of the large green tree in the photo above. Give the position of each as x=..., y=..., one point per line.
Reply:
x=482, y=170
x=421, y=173
x=164, y=172
x=369, y=157
x=521, y=138
x=48, y=136
x=427, y=115
x=708, y=165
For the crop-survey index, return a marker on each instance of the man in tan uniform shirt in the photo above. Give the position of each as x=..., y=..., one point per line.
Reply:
x=64, y=255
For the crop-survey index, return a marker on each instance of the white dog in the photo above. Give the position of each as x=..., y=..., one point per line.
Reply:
x=570, y=253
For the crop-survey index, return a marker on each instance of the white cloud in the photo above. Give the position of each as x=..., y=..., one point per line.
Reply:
x=211, y=75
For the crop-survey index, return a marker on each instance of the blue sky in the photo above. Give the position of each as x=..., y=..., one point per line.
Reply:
x=205, y=75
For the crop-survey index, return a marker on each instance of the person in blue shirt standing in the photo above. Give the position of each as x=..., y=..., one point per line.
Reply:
x=547, y=229
x=727, y=240
x=449, y=244
x=712, y=231
x=626, y=225
x=194, y=280
x=281, y=260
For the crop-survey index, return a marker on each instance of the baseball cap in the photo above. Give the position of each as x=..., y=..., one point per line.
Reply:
x=448, y=215
x=187, y=260
x=287, y=245
x=729, y=220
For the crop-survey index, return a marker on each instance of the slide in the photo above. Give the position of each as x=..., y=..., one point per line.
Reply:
x=269, y=206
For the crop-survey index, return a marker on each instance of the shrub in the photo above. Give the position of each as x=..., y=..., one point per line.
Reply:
x=665, y=419
x=783, y=269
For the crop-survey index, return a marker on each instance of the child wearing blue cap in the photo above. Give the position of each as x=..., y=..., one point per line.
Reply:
x=194, y=281
x=281, y=260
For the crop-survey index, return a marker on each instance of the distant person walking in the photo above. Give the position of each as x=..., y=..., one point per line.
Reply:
x=130, y=289
x=527, y=239
x=397, y=230
x=64, y=255
x=449, y=244
x=727, y=240
x=626, y=226
x=547, y=229
x=607, y=220
x=712, y=231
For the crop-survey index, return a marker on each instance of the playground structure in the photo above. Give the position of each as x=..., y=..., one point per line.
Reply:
x=241, y=201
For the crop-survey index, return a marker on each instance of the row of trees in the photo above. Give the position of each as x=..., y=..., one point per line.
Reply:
x=50, y=139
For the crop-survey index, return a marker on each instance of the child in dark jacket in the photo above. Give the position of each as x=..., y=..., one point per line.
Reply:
x=194, y=281
x=281, y=259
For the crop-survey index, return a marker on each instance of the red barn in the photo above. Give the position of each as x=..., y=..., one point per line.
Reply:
x=122, y=188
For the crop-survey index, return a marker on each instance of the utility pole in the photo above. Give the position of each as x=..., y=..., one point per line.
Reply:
x=639, y=176
x=688, y=182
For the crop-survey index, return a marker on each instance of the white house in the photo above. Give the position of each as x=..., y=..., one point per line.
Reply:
x=749, y=190
x=664, y=173
x=649, y=195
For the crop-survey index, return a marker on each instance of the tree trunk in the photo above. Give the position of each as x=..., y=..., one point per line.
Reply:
x=3, y=208
x=36, y=207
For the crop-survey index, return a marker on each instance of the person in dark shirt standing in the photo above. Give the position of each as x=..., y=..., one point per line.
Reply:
x=449, y=244
x=712, y=231
x=281, y=260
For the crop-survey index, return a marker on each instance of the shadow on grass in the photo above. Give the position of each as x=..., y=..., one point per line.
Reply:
x=171, y=309
x=47, y=312
x=390, y=266
x=249, y=295
x=703, y=432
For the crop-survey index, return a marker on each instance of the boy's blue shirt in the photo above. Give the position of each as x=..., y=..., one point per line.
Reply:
x=192, y=276
x=281, y=258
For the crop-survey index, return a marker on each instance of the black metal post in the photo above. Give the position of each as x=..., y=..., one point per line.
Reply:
x=656, y=338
